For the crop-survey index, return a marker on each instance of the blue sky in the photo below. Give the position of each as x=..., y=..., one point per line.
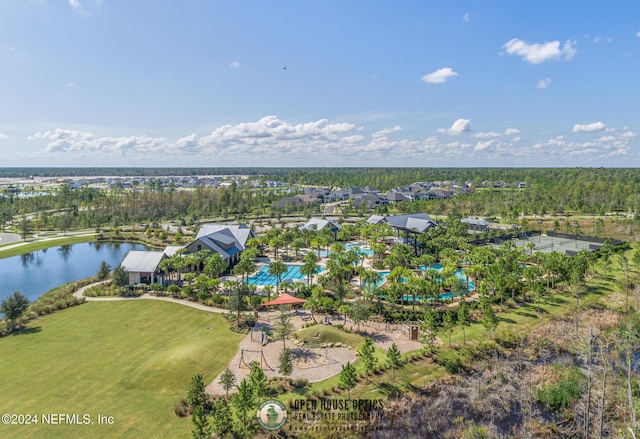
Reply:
x=303, y=83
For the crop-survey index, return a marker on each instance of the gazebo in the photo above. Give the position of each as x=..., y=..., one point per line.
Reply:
x=285, y=299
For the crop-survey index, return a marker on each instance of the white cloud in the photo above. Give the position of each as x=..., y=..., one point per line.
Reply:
x=489, y=135
x=234, y=65
x=536, y=53
x=482, y=146
x=511, y=132
x=592, y=151
x=61, y=140
x=588, y=127
x=459, y=126
x=3, y=136
x=638, y=34
x=439, y=76
x=543, y=83
x=75, y=5
x=466, y=17
x=71, y=84
x=270, y=141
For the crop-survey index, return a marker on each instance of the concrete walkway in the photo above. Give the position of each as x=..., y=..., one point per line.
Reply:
x=9, y=238
x=80, y=294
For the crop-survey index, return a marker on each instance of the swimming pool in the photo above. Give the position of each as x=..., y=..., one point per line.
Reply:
x=263, y=278
x=459, y=274
x=363, y=251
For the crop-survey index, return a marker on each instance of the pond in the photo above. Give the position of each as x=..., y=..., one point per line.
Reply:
x=35, y=273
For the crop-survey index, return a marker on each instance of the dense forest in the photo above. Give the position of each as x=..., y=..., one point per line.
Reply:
x=548, y=191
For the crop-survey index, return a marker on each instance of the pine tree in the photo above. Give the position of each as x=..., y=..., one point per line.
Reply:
x=201, y=428
x=227, y=380
x=464, y=316
x=429, y=328
x=120, y=276
x=448, y=324
x=196, y=395
x=367, y=356
x=348, y=378
x=103, y=271
x=393, y=358
x=286, y=366
x=489, y=319
x=283, y=326
x=258, y=381
x=222, y=421
x=243, y=402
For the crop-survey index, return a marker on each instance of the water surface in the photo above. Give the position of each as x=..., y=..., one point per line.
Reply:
x=35, y=273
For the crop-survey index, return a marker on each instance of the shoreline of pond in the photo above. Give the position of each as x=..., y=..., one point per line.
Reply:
x=35, y=272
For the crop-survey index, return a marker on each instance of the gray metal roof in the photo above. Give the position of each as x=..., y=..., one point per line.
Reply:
x=142, y=261
x=319, y=224
x=476, y=222
x=171, y=250
x=227, y=240
x=416, y=222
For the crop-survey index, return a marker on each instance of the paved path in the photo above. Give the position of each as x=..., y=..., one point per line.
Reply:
x=310, y=363
x=80, y=293
x=9, y=238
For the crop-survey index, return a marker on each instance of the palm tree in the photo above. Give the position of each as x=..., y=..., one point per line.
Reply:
x=309, y=269
x=416, y=286
x=313, y=305
x=192, y=260
x=378, y=252
x=244, y=267
x=316, y=245
x=275, y=243
x=277, y=269
x=398, y=276
x=297, y=244
x=178, y=263
x=268, y=289
x=214, y=265
x=166, y=265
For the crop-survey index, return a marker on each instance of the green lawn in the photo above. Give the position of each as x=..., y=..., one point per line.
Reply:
x=39, y=245
x=131, y=360
x=329, y=334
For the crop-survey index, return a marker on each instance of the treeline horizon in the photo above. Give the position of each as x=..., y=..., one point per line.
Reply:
x=548, y=190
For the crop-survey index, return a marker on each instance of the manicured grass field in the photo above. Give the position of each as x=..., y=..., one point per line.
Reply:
x=132, y=360
x=39, y=245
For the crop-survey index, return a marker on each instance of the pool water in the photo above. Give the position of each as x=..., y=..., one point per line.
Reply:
x=367, y=252
x=263, y=278
x=363, y=250
x=459, y=274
